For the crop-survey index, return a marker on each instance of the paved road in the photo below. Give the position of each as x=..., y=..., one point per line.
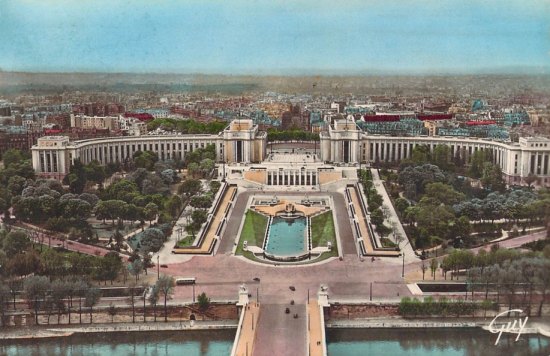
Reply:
x=232, y=229
x=220, y=276
x=280, y=333
x=516, y=241
x=347, y=243
x=510, y=243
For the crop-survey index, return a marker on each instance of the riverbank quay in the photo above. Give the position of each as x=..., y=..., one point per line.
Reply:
x=63, y=331
x=534, y=325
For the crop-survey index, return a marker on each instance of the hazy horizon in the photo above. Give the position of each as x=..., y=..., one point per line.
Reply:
x=503, y=71
x=276, y=37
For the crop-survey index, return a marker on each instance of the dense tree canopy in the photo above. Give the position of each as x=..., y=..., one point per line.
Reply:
x=291, y=135
x=186, y=126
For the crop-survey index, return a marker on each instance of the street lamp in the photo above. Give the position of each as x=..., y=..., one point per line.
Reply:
x=158, y=267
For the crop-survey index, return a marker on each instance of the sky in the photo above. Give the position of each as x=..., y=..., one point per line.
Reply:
x=274, y=36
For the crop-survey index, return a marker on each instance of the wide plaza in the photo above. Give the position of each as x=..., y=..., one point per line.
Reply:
x=349, y=275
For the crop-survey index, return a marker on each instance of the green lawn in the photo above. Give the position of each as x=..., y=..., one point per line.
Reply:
x=186, y=241
x=387, y=242
x=322, y=230
x=253, y=231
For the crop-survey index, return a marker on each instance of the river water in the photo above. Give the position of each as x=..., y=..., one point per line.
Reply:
x=185, y=343
x=431, y=342
x=340, y=342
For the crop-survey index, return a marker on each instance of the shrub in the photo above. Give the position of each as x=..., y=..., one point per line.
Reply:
x=204, y=301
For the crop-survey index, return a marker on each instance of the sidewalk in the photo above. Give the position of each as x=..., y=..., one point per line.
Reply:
x=393, y=219
x=15, y=333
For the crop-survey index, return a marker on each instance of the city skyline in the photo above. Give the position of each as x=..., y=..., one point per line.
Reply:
x=278, y=37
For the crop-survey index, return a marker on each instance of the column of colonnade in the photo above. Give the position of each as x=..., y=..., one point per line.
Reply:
x=51, y=161
x=291, y=177
x=538, y=163
x=401, y=149
x=119, y=151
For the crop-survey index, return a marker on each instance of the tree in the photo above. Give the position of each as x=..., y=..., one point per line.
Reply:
x=442, y=157
x=92, y=199
x=542, y=278
x=150, y=212
x=511, y=280
x=444, y=193
x=476, y=165
x=59, y=291
x=78, y=209
x=174, y=205
x=190, y=187
x=16, y=242
x=16, y=184
x=433, y=266
x=110, y=209
x=168, y=176
x=111, y=264
x=4, y=302
x=36, y=289
x=423, y=268
x=214, y=186
x=201, y=202
x=52, y=263
x=377, y=217
x=145, y=159
x=193, y=168
x=81, y=288
x=95, y=172
x=124, y=190
x=132, y=300
x=112, y=312
x=492, y=177
x=165, y=286
x=530, y=179
x=199, y=217
x=461, y=228
x=417, y=177
x=153, y=299
x=401, y=205
x=92, y=298
x=76, y=179
x=132, y=213
x=204, y=301
x=432, y=219
x=23, y=264
x=420, y=154
x=206, y=166
x=13, y=156
x=152, y=240
x=135, y=268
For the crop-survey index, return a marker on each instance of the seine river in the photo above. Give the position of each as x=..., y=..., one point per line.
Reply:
x=186, y=343
x=341, y=342
x=431, y=342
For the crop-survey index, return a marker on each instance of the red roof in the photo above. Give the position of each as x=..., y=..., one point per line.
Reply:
x=476, y=123
x=381, y=118
x=139, y=116
x=52, y=131
x=425, y=117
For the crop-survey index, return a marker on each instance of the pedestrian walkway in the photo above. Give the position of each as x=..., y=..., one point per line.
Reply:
x=213, y=227
x=316, y=325
x=246, y=331
x=362, y=229
x=393, y=219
